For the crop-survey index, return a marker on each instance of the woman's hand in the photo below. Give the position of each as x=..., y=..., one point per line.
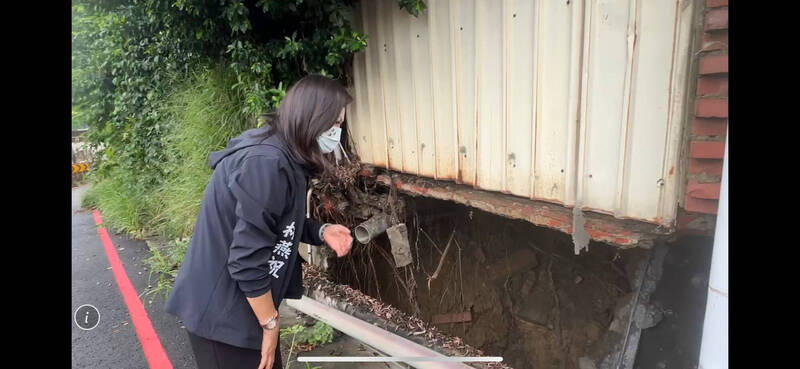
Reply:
x=338, y=238
x=268, y=344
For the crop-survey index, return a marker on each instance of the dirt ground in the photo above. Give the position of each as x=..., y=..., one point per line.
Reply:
x=682, y=291
x=530, y=299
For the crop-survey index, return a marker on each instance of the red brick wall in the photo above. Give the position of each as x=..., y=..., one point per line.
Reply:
x=709, y=123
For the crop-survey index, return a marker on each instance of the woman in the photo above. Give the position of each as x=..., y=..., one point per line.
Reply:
x=242, y=259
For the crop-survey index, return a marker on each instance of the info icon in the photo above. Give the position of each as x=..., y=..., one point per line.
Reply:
x=87, y=317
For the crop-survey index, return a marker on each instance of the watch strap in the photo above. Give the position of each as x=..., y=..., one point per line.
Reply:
x=269, y=321
x=322, y=231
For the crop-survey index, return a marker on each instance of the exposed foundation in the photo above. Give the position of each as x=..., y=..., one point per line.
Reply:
x=487, y=274
x=503, y=286
x=605, y=228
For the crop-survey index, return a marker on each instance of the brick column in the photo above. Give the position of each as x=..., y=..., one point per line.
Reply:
x=710, y=121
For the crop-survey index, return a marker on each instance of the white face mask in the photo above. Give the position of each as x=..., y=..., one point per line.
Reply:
x=329, y=139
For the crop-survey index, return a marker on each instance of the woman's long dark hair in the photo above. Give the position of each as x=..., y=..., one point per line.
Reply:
x=309, y=108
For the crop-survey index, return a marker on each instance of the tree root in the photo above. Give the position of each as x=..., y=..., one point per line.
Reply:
x=441, y=260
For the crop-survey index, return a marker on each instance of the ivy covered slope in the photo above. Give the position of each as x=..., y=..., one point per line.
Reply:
x=128, y=55
x=161, y=83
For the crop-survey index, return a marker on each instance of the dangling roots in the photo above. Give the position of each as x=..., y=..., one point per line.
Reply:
x=342, y=197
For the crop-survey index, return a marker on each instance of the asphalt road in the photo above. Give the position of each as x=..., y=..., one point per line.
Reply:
x=113, y=343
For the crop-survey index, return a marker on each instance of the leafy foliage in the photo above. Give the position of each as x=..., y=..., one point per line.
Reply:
x=414, y=7
x=127, y=56
x=164, y=262
x=203, y=113
x=320, y=334
x=124, y=203
x=161, y=83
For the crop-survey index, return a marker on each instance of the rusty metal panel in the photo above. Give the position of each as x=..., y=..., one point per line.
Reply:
x=463, y=13
x=423, y=114
x=602, y=228
x=680, y=87
x=358, y=114
x=388, y=77
x=404, y=91
x=606, y=68
x=552, y=100
x=519, y=19
x=635, y=49
x=574, y=130
x=443, y=91
x=374, y=82
x=490, y=94
x=648, y=117
x=566, y=102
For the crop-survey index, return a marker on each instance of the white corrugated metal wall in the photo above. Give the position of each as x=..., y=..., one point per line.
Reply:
x=489, y=94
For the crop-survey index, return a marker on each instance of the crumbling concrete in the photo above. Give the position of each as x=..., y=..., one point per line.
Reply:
x=633, y=314
x=368, y=309
x=605, y=228
x=527, y=294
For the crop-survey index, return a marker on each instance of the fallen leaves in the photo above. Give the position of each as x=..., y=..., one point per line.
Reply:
x=314, y=279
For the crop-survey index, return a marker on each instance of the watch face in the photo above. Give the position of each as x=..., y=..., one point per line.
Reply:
x=271, y=324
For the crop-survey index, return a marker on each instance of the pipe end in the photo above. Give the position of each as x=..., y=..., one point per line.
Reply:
x=362, y=234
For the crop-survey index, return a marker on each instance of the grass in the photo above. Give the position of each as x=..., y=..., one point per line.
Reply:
x=320, y=334
x=164, y=263
x=123, y=204
x=203, y=113
x=78, y=119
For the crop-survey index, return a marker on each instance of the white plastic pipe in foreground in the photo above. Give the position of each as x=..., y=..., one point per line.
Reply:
x=714, y=346
x=386, y=342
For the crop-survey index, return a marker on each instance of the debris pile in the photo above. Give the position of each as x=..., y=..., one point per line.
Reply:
x=390, y=317
x=342, y=196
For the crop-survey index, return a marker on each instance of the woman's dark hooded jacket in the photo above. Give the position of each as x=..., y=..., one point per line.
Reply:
x=245, y=240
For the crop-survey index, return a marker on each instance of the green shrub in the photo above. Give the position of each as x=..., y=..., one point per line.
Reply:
x=164, y=262
x=320, y=334
x=129, y=54
x=161, y=83
x=123, y=203
x=205, y=113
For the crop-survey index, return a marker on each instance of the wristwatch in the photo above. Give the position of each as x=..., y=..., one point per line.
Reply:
x=271, y=323
x=322, y=231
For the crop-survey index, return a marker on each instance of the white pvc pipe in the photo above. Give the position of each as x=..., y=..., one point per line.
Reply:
x=714, y=346
x=384, y=341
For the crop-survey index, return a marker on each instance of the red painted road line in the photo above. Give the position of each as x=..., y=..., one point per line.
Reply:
x=153, y=351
